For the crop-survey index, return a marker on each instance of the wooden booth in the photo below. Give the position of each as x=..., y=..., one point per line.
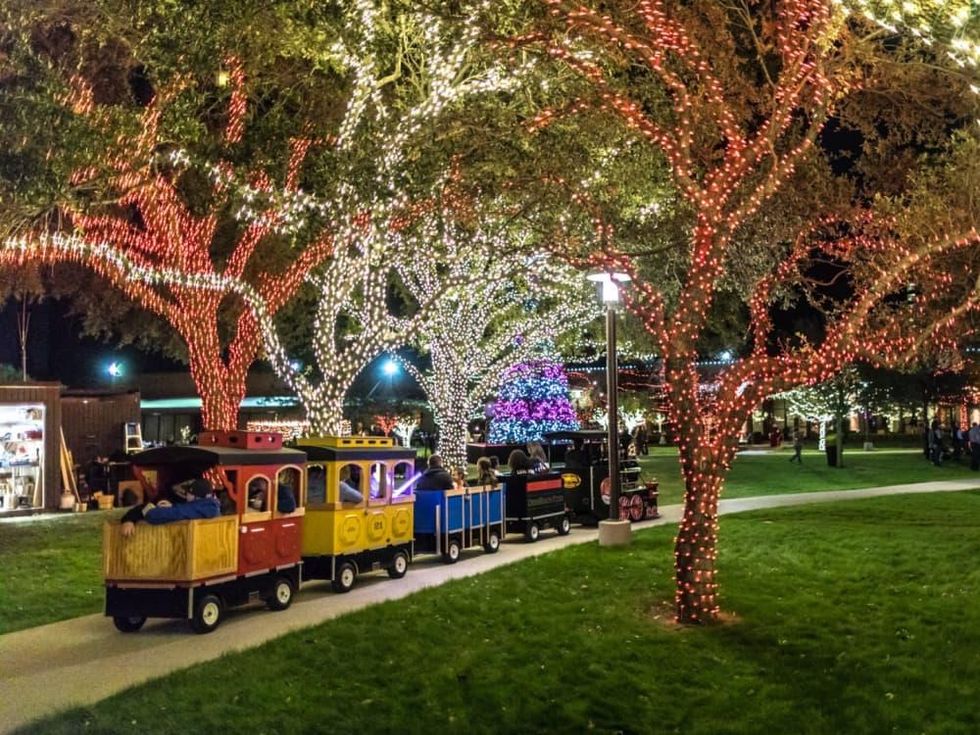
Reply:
x=30, y=447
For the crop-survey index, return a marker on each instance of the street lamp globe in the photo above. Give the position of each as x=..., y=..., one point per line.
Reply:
x=609, y=283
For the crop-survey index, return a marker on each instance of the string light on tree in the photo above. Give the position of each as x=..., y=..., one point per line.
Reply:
x=726, y=158
x=173, y=236
x=352, y=323
x=494, y=301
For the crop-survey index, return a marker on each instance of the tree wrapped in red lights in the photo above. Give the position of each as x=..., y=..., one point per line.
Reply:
x=164, y=252
x=734, y=97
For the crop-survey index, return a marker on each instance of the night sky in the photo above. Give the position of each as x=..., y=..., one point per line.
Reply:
x=56, y=351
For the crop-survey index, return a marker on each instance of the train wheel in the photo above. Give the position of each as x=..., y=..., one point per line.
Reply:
x=207, y=614
x=452, y=552
x=533, y=533
x=564, y=526
x=346, y=576
x=128, y=624
x=638, y=508
x=399, y=565
x=492, y=546
x=282, y=594
x=624, y=508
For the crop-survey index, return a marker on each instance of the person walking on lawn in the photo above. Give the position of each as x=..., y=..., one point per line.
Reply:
x=973, y=436
x=797, y=447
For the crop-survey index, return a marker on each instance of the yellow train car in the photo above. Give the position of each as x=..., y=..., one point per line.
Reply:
x=360, y=508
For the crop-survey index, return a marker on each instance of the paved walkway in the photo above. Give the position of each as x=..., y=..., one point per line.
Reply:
x=81, y=661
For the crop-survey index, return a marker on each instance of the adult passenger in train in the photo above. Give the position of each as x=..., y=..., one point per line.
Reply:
x=435, y=477
x=199, y=503
x=348, y=493
x=577, y=458
x=537, y=457
x=485, y=474
x=519, y=463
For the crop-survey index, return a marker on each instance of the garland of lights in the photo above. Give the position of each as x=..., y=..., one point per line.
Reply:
x=941, y=22
x=752, y=163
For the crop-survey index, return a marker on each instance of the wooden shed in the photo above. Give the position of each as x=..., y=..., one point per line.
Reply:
x=94, y=421
x=30, y=441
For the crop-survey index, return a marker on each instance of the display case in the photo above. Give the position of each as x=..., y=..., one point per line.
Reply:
x=21, y=456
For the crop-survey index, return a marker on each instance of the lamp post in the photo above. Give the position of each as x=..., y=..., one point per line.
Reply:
x=614, y=531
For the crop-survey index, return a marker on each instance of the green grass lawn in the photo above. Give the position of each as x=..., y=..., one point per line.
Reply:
x=859, y=617
x=770, y=472
x=52, y=569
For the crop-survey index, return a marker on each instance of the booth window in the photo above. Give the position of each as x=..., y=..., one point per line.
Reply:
x=288, y=490
x=258, y=495
x=316, y=484
x=351, y=486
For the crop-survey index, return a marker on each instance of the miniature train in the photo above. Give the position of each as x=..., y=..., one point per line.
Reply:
x=332, y=508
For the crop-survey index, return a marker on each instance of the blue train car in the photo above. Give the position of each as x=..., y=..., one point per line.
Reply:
x=448, y=521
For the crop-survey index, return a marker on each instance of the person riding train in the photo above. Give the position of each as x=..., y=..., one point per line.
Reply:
x=189, y=500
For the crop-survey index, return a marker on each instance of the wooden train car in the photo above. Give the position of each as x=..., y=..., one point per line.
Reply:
x=534, y=502
x=448, y=521
x=360, y=508
x=198, y=568
x=585, y=478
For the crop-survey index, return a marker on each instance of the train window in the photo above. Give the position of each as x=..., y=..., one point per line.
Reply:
x=258, y=495
x=378, y=482
x=288, y=490
x=404, y=474
x=316, y=484
x=351, y=490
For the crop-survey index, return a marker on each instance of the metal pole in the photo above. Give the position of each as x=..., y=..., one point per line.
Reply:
x=612, y=391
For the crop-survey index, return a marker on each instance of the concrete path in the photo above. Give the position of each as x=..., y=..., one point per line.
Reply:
x=81, y=661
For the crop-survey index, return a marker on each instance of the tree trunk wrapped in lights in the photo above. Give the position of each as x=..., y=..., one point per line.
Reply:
x=734, y=119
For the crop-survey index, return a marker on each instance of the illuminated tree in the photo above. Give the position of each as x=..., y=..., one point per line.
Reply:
x=401, y=72
x=494, y=302
x=381, y=193
x=386, y=422
x=830, y=400
x=734, y=96
x=153, y=225
x=405, y=426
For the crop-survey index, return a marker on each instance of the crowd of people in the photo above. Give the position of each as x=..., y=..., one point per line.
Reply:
x=941, y=443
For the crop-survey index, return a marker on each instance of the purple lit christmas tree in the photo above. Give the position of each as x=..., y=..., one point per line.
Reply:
x=533, y=400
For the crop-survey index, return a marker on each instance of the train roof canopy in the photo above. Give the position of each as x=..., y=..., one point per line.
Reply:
x=340, y=449
x=217, y=456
